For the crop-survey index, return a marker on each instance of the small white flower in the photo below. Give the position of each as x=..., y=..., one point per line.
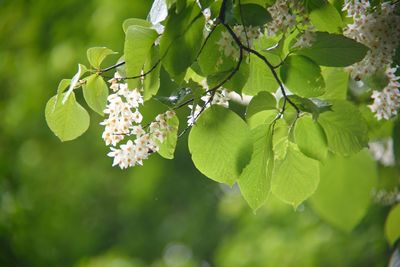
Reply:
x=382, y=151
x=221, y=98
x=387, y=102
x=305, y=40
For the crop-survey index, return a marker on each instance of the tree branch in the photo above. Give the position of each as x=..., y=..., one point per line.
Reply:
x=112, y=67
x=270, y=66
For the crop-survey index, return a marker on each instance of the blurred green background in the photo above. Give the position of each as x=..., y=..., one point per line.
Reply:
x=62, y=204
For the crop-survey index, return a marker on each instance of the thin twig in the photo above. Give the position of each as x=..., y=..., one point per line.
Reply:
x=266, y=61
x=206, y=40
x=143, y=74
x=112, y=67
x=243, y=23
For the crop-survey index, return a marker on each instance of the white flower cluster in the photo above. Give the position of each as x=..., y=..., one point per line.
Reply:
x=286, y=15
x=385, y=197
x=306, y=39
x=247, y=35
x=124, y=119
x=221, y=97
x=382, y=151
x=387, y=102
x=378, y=29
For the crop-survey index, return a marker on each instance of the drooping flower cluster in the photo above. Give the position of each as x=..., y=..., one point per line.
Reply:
x=387, y=102
x=247, y=35
x=286, y=15
x=382, y=151
x=122, y=110
x=124, y=119
x=378, y=29
x=220, y=97
x=385, y=197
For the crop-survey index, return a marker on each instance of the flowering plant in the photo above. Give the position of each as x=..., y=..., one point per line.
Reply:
x=281, y=97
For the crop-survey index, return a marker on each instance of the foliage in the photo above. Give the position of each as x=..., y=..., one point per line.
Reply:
x=302, y=136
x=281, y=149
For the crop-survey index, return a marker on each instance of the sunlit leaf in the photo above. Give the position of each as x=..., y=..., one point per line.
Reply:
x=345, y=128
x=252, y=15
x=295, y=178
x=392, y=225
x=310, y=138
x=135, y=21
x=74, y=81
x=95, y=91
x=302, y=76
x=151, y=82
x=262, y=101
x=220, y=144
x=344, y=193
x=255, y=180
x=96, y=55
x=138, y=43
x=326, y=18
x=334, y=50
x=182, y=39
x=167, y=148
x=67, y=120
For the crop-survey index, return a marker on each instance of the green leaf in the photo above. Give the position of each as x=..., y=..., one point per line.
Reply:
x=258, y=2
x=280, y=139
x=302, y=76
x=336, y=83
x=262, y=117
x=182, y=39
x=206, y=3
x=326, y=18
x=345, y=128
x=96, y=55
x=262, y=101
x=167, y=148
x=311, y=5
x=235, y=83
x=295, y=178
x=138, y=43
x=64, y=83
x=334, y=50
x=180, y=5
x=310, y=138
x=220, y=144
x=314, y=106
x=74, y=82
x=255, y=180
x=228, y=14
x=151, y=82
x=135, y=21
x=95, y=92
x=260, y=78
x=392, y=225
x=68, y=120
x=344, y=193
x=211, y=59
x=252, y=15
